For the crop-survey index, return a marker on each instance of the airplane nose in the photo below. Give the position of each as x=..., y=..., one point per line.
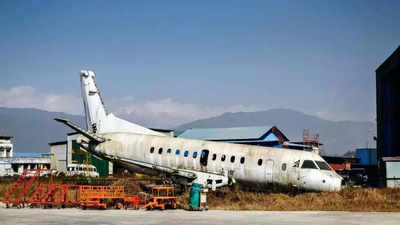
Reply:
x=336, y=184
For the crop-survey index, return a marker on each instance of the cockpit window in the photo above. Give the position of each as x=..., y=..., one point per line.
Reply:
x=308, y=164
x=323, y=165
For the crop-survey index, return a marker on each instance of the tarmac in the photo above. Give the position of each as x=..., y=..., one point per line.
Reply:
x=175, y=217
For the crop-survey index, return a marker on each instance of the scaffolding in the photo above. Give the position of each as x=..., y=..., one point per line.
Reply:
x=28, y=191
x=311, y=142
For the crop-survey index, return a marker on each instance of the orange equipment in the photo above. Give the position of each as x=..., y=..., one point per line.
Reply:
x=162, y=197
x=28, y=190
x=132, y=201
x=97, y=196
x=51, y=194
x=18, y=193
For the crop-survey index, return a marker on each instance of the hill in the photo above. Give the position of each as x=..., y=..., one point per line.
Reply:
x=33, y=129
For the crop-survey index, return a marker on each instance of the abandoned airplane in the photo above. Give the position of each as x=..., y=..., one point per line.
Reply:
x=212, y=164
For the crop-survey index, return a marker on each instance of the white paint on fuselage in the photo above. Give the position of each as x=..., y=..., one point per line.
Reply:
x=137, y=147
x=132, y=141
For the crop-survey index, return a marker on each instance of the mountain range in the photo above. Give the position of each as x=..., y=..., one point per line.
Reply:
x=33, y=129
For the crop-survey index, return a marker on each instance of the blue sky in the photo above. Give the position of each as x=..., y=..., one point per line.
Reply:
x=184, y=60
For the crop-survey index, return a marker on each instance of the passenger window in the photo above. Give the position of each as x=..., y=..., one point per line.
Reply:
x=169, y=151
x=259, y=162
x=151, y=149
x=214, y=157
x=194, y=155
x=308, y=164
x=177, y=152
x=223, y=158
x=242, y=160
x=186, y=153
x=232, y=159
x=283, y=166
x=160, y=151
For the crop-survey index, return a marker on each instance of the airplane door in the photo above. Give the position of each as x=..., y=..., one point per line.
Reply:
x=204, y=159
x=269, y=165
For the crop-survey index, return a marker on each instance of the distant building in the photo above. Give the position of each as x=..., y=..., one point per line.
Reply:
x=388, y=110
x=10, y=165
x=367, y=156
x=392, y=171
x=69, y=152
x=5, y=168
x=341, y=163
x=19, y=164
x=6, y=146
x=58, y=150
x=269, y=136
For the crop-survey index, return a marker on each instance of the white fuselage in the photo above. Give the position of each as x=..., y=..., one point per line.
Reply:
x=247, y=163
x=243, y=163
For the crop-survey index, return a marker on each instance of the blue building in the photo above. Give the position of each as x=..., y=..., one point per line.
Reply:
x=367, y=156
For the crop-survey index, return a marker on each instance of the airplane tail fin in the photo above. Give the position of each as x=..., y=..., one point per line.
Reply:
x=95, y=111
x=98, y=120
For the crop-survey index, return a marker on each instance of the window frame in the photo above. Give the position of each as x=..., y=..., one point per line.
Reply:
x=284, y=167
x=223, y=157
x=306, y=161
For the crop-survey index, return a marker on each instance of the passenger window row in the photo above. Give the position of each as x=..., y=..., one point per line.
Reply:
x=186, y=154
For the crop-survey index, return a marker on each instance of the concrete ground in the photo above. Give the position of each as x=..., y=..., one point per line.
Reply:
x=175, y=217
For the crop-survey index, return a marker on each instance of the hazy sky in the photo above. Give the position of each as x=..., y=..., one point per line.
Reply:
x=177, y=61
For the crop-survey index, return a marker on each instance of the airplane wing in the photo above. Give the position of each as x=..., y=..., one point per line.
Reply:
x=85, y=133
x=207, y=179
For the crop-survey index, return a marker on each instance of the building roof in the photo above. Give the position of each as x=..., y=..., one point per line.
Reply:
x=58, y=143
x=390, y=63
x=391, y=159
x=233, y=133
x=5, y=136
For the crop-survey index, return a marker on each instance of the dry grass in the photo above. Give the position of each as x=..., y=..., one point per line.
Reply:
x=348, y=199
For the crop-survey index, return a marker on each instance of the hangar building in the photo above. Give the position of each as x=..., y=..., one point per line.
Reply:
x=388, y=111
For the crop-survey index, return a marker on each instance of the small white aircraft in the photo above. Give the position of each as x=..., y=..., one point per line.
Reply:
x=212, y=164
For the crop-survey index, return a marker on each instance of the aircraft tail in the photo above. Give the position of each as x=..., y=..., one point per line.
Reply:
x=98, y=120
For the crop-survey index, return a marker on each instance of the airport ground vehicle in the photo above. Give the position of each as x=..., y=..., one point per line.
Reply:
x=162, y=197
x=82, y=170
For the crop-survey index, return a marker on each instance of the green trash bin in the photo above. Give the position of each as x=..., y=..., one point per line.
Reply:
x=194, y=199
